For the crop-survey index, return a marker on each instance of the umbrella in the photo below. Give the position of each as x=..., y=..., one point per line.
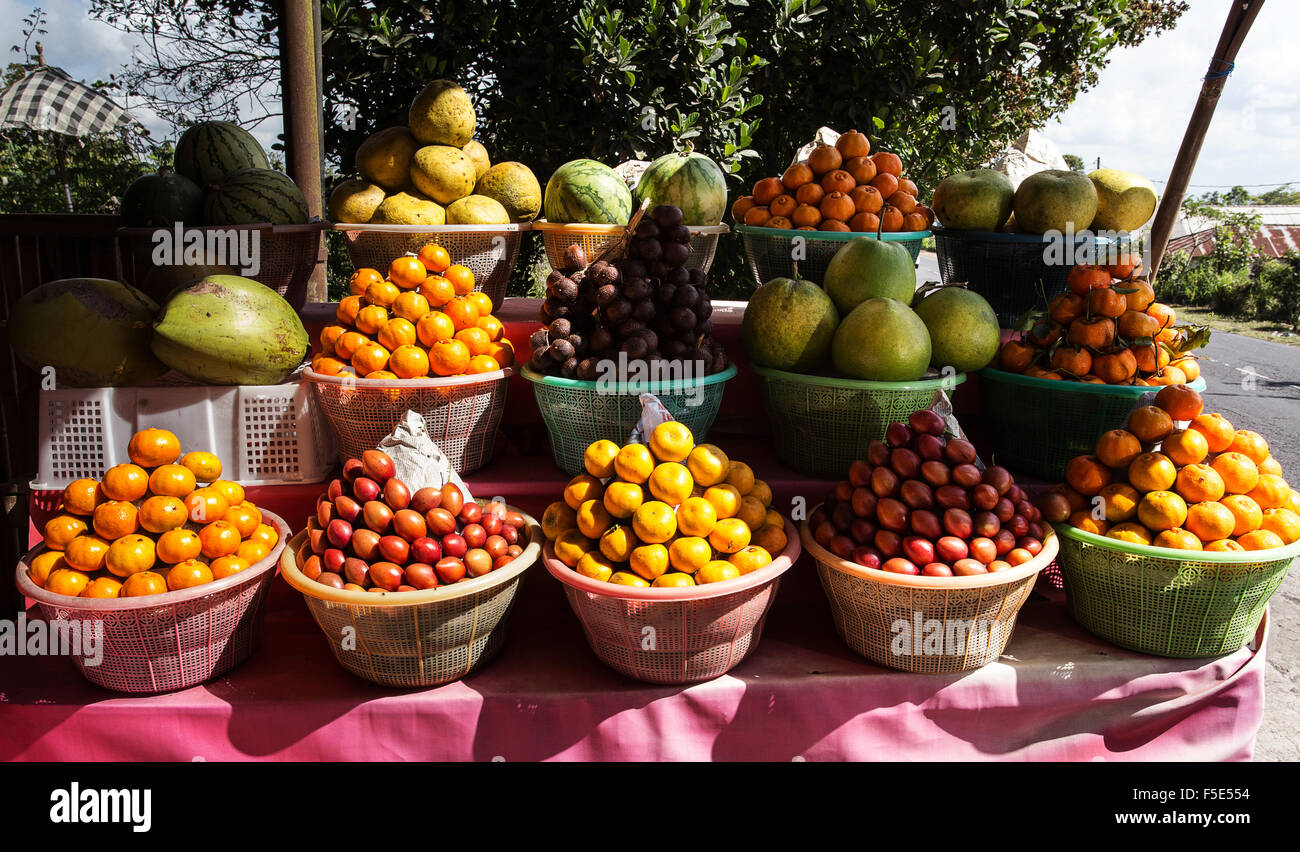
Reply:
x=48, y=100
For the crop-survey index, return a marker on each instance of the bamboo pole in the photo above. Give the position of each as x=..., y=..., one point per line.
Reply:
x=303, y=124
x=1241, y=14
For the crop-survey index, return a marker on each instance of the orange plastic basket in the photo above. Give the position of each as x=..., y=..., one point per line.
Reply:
x=461, y=413
x=162, y=643
x=674, y=635
x=416, y=639
x=876, y=612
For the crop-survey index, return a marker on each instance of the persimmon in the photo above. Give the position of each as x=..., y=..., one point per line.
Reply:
x=862, y=169
x=810, y=194
x=783, y=205
x=797, y=175
x=853, y=144
x=838, y=180
x=825, y=158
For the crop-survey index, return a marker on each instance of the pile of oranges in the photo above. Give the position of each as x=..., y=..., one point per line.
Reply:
x=1206, y=486
x=424, y=319
x=840, y=187
x=148, y=526
x=667, y=514
x=1107, y=328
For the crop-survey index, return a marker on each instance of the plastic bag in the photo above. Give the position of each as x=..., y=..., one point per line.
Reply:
x=420, y=462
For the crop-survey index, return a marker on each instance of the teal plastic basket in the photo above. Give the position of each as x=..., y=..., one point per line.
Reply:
x=1037, y=425
x=821, y=425
x=770, y=252
x=1171, y=603
x=578, y=413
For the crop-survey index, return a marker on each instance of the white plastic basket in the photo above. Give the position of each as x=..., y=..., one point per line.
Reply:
x=264, y=434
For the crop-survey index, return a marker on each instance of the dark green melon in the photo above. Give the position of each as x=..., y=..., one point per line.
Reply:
x=688, y=181
x=587, y=191
x=211, y=150
x=162, y=199
x=254, y=196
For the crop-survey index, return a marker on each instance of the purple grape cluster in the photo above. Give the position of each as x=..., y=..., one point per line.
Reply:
x=647, y=305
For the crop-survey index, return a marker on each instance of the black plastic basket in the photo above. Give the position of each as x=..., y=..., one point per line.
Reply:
x=1009, y=270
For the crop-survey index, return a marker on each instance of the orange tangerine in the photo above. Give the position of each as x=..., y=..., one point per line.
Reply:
x=725, y=499
x=1087, y=475
x=1152, y=472
x=266, y=534
x=349, y=307
x=593, y=564
x=86, y=553
x=503, y=352
x=397, y=332
x=131, y=554
x=475, y=339
x=490, y=324
x=245, y=517
x=772, y=538
x=649, y=561
x=410, y=306
x=1185, y=446
x=82, y=496
x=407, y=272
x=382, y=294
x=598, y=458
x=1246, y=511
x=449, y=358
x=1250, y=444
x=67, y=581
x=482, y=301
x=1178, y=539
x=480, y=364
x=1118, y=447
x=717, y=571
x=1223, y=545
x=671, y=483
x=1282, y=522
x=1197, y=483
x=593, y=519
x=152, y=447
x=433, y=327
x=103, y=587
x=188, y=574
x=125, y=482
x=409, y=362
x=144, y=583
x=437, y=290
x=227, y=565
x=1131, y=532
x=696, y=516
x=461, y=277
x=1271, y=492
x=207, y=504
x=773, y=519
x=370, y=319
x=582, y=488
x=627, y=578
x=219, y=538
x=370, y=358
x=1121, y=501
x=1150, y=424
x=347, y=345
x=762, y=492
x=172, y=480
x=1210, y=521
x=751, y=512
x=634, y=463
x=159, y=514
x=730, y=535
x=1240, y=475
x=1260, y=540
x=329, y=335
x=1084, y=520
x=570, y=546
x=178, y=545
x=363, y=278
x=252, y=552
x=557, y=518
x=1180, y=401
x=1162, y=510
x=671, y=441
x=434, y=257
x=654, y=522
x=618, y=542
x=750, y=558
x=40, y=566
x=1188, y=366
x=673, y=580
x=1270, y=465
x=740, y=475
x=464, y=314
x=115, y=519
x=689, y=553
x=708, y=464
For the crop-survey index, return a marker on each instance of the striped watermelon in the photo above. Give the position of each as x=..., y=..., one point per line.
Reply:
x=587, y=191
x=253, y=196
x=210, y=150
x=690, y=181
x=161, y=200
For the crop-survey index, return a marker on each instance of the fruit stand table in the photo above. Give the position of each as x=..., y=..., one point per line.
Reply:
x=1057, y=694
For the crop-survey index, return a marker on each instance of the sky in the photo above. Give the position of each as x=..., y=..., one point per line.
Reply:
x=1133, y=119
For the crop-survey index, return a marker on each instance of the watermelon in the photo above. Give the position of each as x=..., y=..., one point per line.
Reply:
x=689, y=181
x=253, y=196
x=161, y=200
x=210, y=150
x=587, y=191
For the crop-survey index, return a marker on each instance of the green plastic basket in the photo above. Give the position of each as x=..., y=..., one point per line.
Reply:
x=1037, y=425
x=821, y=425
x=579, y=413
x=1171, y=603
x=770, y=252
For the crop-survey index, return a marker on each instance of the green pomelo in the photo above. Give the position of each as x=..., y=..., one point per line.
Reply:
x=443, y=173
x=409, y=208
x=227, y=330
x=789, y=325
x=977, y=200
x=1055, y=200
x=355, y=200
x=881, y=340
x=964, y=330
x=91, y=331
x=868, y=268
x=478, y=154
x=515, y=186
x=442, y=114
x=1125, y=201
x=477, y=210
x=385, y=157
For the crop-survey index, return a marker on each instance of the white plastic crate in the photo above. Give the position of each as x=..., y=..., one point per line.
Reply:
x=263, y=434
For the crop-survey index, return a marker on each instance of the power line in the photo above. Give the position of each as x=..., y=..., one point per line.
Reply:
x=1231, y=185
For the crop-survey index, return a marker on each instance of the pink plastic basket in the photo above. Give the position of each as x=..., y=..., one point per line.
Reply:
x=461, y=413
x=674, y=635
x=172, y=641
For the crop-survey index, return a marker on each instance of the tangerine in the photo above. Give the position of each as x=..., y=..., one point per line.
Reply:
x=67, y=581
x=1250, y=444
x=1120, y=501
x=618, y=542
x=434, y=257
x=696, y=516
x=1087, y=475
x=361, y=279
x=654, y=522
x=598, y=458
x=1218, y=432
x=1118, y=447
x=649, y=561
x=1162, y=510
x=176, y=546
x=1239, y=472
x=671, y=483
x=1185, y=446
x=1150, y=424
x=461, y=278
x=82, y=496
x=1177, y=539
x=144, y=583
x=411, y=306
x=369, y=320
x=716, y=571
x=188, y=574
x=227, y=565
x=449, y=358
x=153, y=447
x=1246, y=511
x=1282, y=522
x=125, y=482
x=1197, y=483
x=85, y=553
x=409, y=362
x=1084, y=520
x=131, y=554
x=592, y=564
x=1270, y=492
x=582, y=488
x=1131, y=532
x=593, y=519
x=673, y=580
x=689, y=554
x=1182, y=403
x=102, y=587
x=172, y=480
x=115, y=519
x=1210, y=521
x=708, y=465
x=405, y=272
x=219, y=538
x=634, y=463
x=1260, y=540
x=1152, y=472
x=730, y=535
x=438, y=291
x=434, y=327
x=397, y=332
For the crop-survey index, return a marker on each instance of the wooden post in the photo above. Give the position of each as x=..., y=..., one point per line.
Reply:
x=1241, y=14
x=300, y=84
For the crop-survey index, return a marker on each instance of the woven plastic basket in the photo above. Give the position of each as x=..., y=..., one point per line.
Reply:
x=162, y=643
x=821, y=425
x=1008, y=270
x=774, y=252
x=877, y=612
x=595, y=239
x=491, y=251
x=286, y=255
x=1171, y=603
x=416, y=639
x=674, y=635
x=1038, y=425
x=461, y=413
x=578, y=413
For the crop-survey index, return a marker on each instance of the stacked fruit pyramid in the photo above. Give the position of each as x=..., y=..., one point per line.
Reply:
x=1107, y=329
x=668, y=514
x=148, y=526
x=425, y=318
x=1204, y=486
